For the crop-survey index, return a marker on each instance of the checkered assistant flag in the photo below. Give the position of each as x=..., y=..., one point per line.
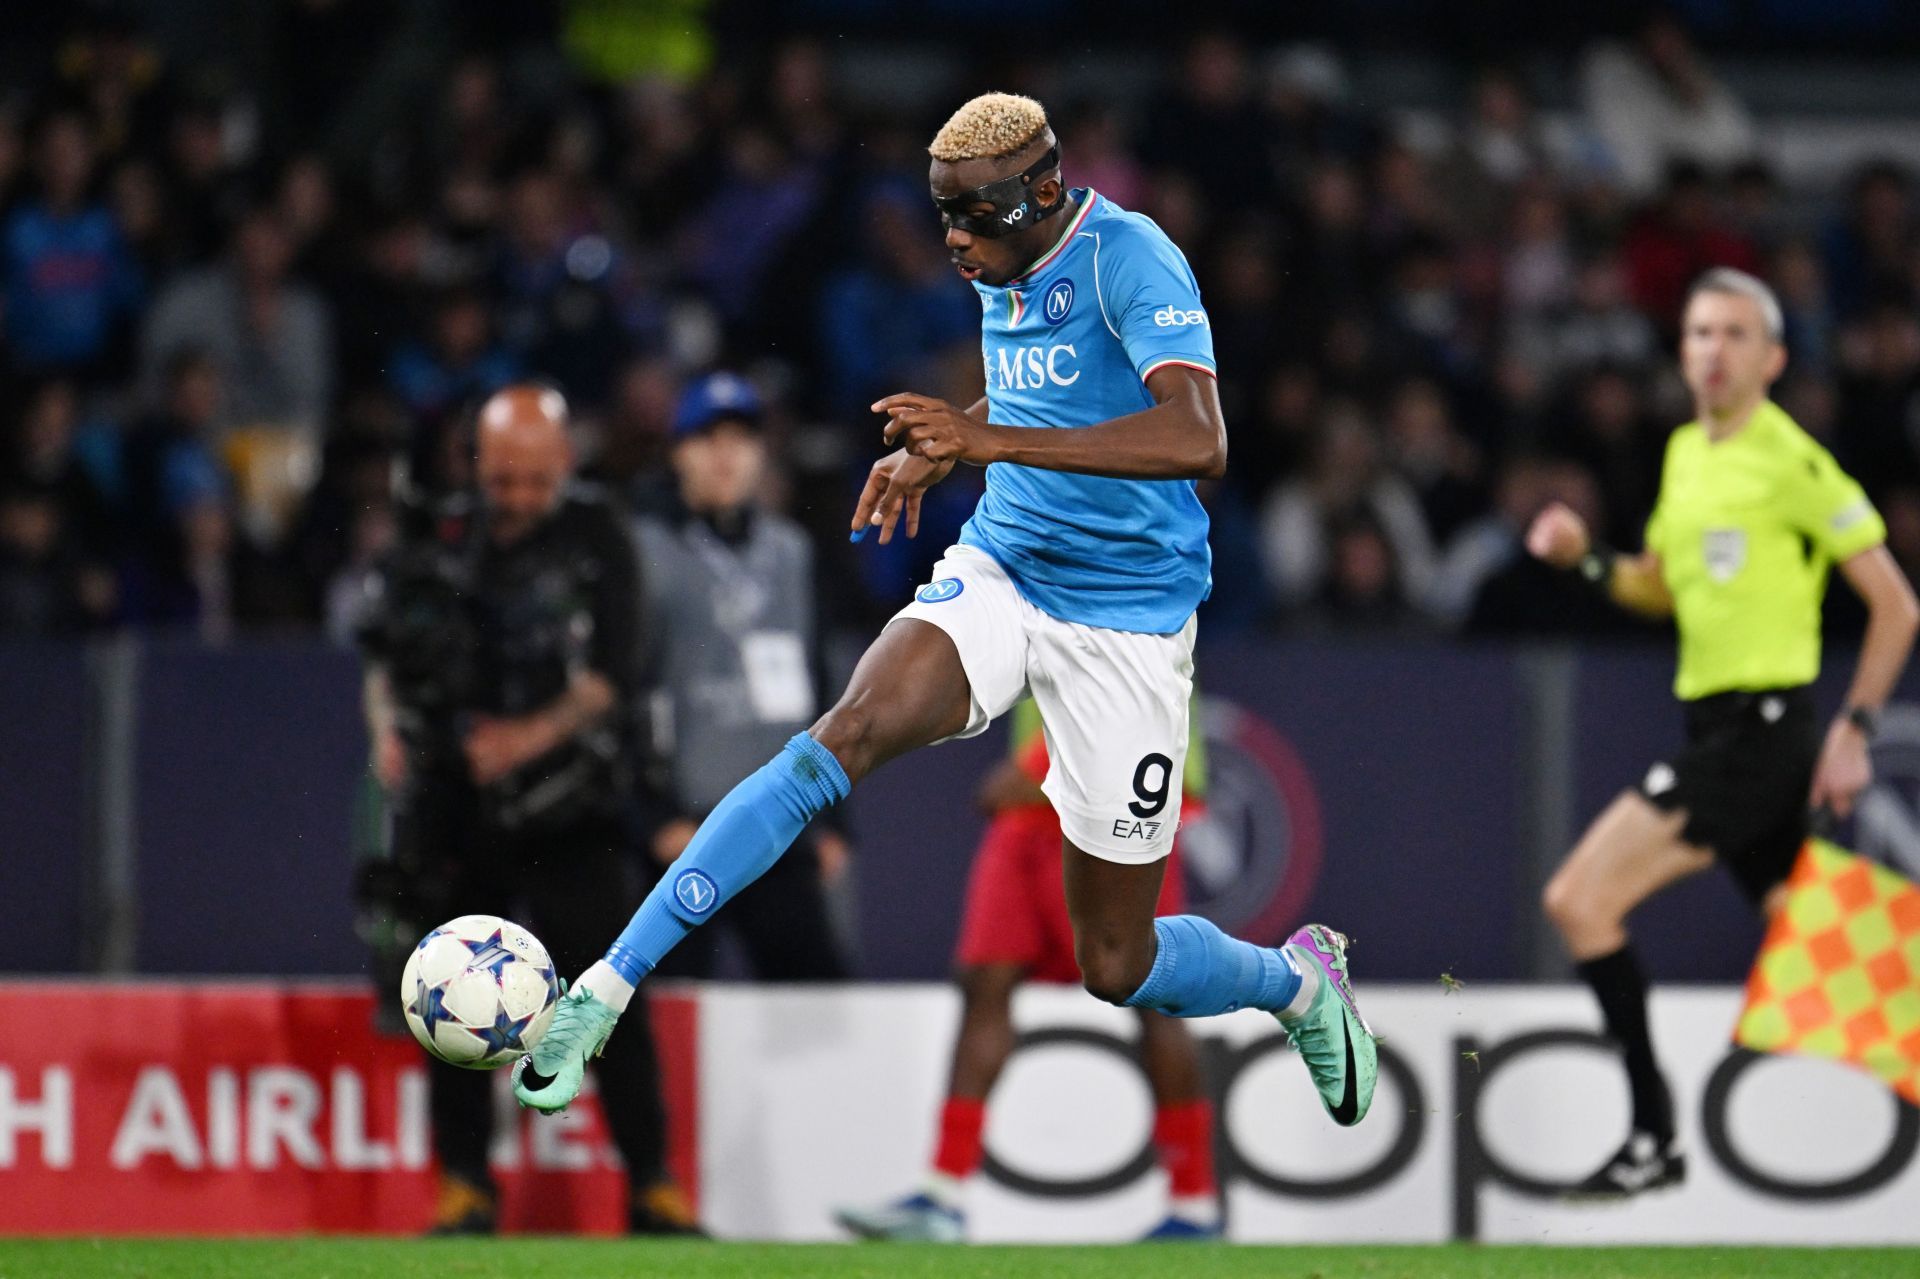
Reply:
x=1839, y=973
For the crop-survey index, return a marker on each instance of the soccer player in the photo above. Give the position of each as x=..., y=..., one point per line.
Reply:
x=1075, y=580
x=1751, y=514
x=1015, y=928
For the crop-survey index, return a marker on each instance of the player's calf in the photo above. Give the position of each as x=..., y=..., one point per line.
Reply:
x=1199, y=971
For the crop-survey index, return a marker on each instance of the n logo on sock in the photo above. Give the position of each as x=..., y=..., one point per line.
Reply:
x=696, y=891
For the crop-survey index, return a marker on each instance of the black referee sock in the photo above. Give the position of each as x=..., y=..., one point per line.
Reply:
x=1621, y=988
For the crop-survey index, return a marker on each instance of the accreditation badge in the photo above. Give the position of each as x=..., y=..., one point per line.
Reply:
x=779, y=683
x=1725, y=552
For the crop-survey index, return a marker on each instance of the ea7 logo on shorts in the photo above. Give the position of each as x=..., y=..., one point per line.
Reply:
x=1168, y=318
x=696, y=891
x=1725, y=552
x=1123, y=828
x=941, y=591
x=1059, y=301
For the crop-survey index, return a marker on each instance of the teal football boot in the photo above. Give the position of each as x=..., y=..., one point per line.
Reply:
x=1333, y=1039
x=549, y=1077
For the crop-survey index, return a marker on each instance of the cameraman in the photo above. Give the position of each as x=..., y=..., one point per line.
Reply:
x=502, y=645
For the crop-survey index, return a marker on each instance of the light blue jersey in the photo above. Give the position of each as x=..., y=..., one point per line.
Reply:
x=1069, y=344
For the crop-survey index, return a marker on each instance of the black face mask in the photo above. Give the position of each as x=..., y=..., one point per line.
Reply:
x=1014, y=209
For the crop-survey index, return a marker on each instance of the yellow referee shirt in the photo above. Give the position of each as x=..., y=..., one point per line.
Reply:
x=1745, y=530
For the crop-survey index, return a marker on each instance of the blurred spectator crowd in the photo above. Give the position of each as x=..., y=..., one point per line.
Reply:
x=230, y=314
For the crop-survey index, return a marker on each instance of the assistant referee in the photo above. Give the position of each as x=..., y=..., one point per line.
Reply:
x=1751, y=514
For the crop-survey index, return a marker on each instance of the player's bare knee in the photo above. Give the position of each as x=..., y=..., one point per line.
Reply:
x=1557, y=900
x=1572, y=911
x=1104, y=986
x=1112, y=973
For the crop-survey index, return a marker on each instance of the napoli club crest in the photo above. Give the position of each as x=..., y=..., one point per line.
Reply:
x=1059, y=301
x=696, y=891
x=941, y=591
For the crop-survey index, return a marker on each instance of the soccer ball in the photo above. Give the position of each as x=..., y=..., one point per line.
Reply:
x=479, y=991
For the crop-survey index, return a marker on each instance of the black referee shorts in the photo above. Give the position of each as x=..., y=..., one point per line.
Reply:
x=1743, y=779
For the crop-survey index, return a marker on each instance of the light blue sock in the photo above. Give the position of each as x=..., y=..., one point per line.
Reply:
x=1200, y=971
x=744, y=835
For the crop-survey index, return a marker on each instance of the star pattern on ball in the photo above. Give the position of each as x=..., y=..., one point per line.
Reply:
x=430, y=1005
x=502, y=1036
x=478, y=946
x=491, y=954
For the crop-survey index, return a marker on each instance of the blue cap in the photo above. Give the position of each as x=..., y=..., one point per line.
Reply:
x=716, y=397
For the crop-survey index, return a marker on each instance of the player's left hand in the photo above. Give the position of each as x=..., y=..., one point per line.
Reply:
x=892, y=493
x=495, y=747
x=935, y=430
x=1844, y=771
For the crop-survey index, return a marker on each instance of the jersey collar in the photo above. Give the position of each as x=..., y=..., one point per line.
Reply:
x=1763, y=414
x=1059, y=246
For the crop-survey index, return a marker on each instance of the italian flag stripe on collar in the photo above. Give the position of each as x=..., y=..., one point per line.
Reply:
x=1066, y=237
x=1016, y=307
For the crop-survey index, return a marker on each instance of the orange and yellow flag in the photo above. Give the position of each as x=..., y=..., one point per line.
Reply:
x=1839, y=973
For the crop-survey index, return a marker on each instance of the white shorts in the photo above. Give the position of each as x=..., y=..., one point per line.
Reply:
x=1113, y=703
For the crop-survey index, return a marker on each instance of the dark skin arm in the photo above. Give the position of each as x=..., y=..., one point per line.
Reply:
x=895, y=486
x=1182, y=437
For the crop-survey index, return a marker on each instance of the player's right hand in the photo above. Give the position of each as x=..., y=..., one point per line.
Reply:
x=1558, y=536
x=894, y=486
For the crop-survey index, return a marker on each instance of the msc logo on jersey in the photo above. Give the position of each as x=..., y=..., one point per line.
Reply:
x=1030, y=368
x=1059, y=301
x=1725, y=552
x=941, y=591
x=1168, y=318
x=696, y=891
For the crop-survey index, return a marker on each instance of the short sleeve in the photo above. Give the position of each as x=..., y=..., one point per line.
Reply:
x=1828, y=507
x=1153, y=303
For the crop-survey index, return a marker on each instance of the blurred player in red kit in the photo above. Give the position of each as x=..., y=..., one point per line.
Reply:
x=1015, y=928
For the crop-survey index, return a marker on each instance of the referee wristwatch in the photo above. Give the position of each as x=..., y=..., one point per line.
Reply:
x=1864, y=718
x=1596, y=566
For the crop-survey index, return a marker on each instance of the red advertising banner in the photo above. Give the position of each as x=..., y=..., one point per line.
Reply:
x=268, y=1108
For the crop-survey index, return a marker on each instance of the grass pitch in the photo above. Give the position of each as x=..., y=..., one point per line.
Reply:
x=533, y=1258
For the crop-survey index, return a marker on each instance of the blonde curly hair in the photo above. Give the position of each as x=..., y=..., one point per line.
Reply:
x=989, y=127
